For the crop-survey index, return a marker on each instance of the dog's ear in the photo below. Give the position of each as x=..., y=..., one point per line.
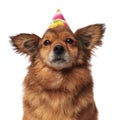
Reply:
x=90, y=36
x=25, y=43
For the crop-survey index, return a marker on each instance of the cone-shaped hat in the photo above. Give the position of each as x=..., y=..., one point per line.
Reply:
x=58, y=20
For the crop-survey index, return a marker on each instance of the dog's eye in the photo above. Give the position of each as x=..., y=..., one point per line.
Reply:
x=69, y=40
x=47, y=42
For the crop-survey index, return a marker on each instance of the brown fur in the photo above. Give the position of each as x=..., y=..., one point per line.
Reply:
x=59, y=91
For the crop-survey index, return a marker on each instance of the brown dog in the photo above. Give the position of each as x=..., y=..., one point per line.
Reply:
x=59, y=85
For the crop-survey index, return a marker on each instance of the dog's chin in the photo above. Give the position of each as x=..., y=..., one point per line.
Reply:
x=59, y=64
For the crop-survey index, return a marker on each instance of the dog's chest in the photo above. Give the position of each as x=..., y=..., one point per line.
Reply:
x=53, y=107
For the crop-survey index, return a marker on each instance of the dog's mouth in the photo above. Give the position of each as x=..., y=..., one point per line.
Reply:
x=58, y=60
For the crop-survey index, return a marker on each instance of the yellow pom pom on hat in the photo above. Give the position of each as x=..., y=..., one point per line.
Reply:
x=58, y=20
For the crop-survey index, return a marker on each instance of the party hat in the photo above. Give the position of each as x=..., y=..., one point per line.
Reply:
x=58, y=20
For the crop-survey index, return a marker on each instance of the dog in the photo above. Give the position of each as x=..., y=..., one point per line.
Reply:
x=59, y=85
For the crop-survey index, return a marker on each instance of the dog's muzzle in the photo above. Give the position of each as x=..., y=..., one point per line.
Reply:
x=59, y=54
x=59, y=58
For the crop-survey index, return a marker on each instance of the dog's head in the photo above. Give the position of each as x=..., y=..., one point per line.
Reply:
x=60, y=48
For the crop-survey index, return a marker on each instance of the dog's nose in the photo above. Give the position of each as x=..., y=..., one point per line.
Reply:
x=58, y=49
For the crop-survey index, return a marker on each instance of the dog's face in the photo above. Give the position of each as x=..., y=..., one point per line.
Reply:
x=59, y=48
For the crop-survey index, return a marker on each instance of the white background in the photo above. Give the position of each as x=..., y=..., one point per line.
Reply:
x=34, y=16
